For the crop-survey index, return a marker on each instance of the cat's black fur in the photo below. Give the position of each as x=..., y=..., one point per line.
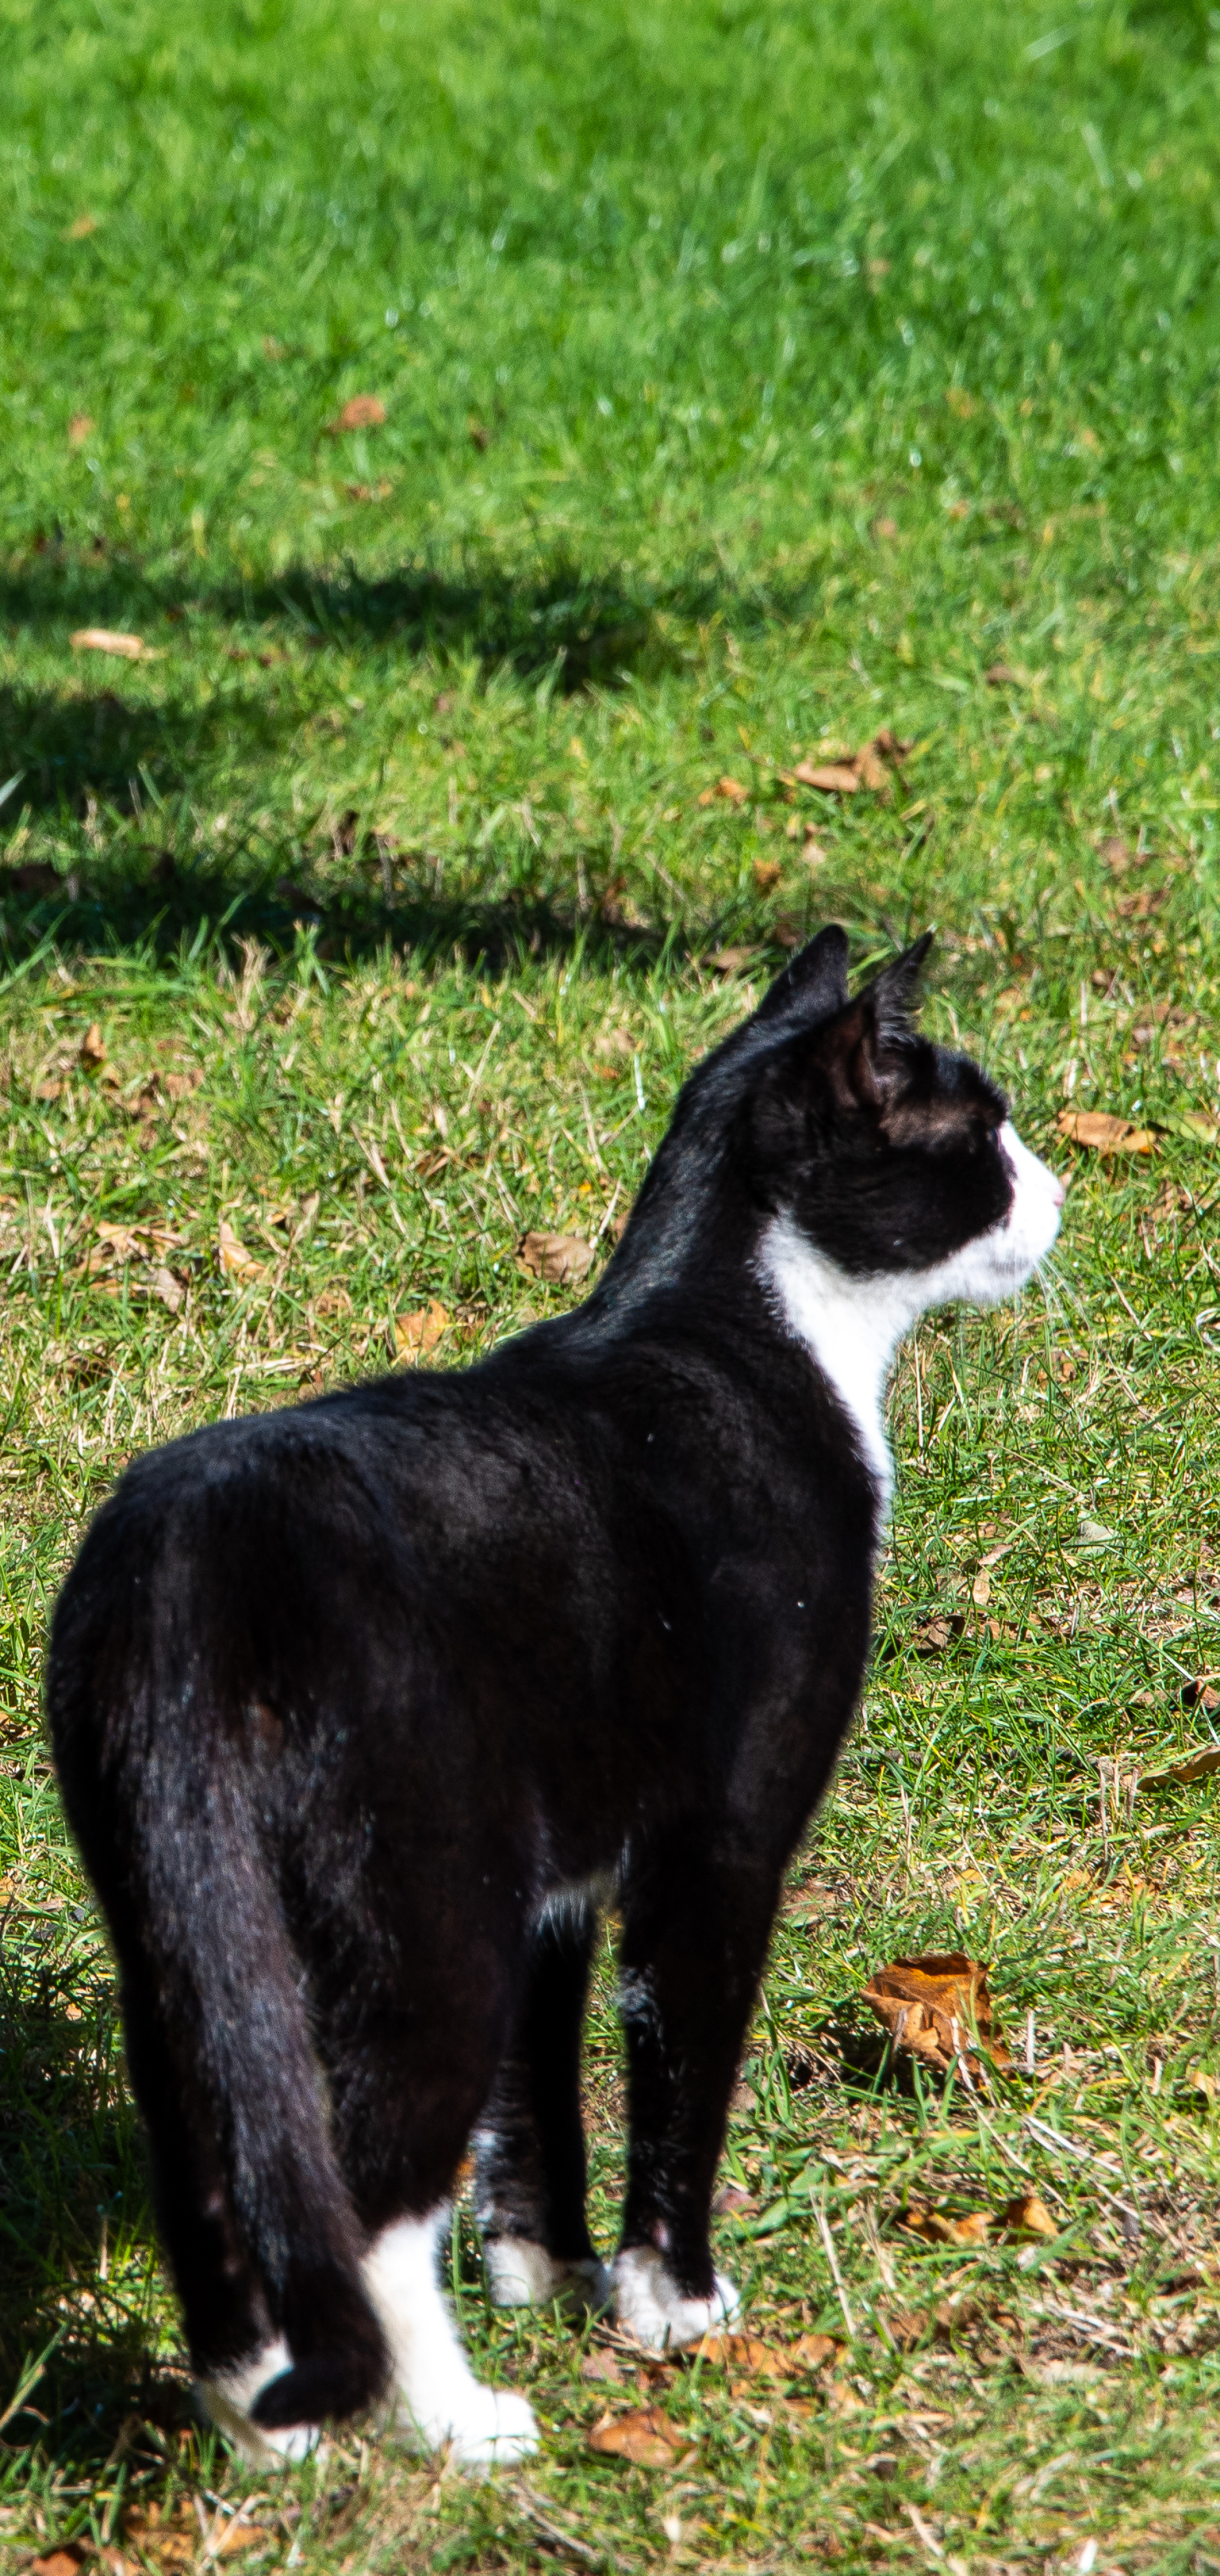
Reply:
x=342, y=1695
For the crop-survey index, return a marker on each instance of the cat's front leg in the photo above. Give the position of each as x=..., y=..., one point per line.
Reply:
x=529, y=2145
x=695, y=1936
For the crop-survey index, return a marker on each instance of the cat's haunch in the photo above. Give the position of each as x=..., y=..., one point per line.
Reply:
x=361, y=1709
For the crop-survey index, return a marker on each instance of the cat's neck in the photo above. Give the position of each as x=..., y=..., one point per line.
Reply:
x=852, y=1327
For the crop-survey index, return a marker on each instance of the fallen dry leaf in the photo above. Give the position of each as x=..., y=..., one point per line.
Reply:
x=814, y=2351
x=79, y=428
x=741, y=2352
x=834, y=777
x=1101, y=1133
x=731, y=961
x=364, y=411
x=767, y=874
x=93, y=1045
x=1202, y=1692
x=81, y=228
x=167, y=1288
x=936, y=2227
x=1198, y=1765
x=235, y=1261
x=368, y=491
x=1001, y=676
x=646, y=2437
x=102, y=639
x=980, y=1592
x=1027, y=2216
x=59, y=2562
x=563, y=1258
x=933, y=2007
x=732, y=2202
x=730, y=788
x=417, y=1334
x=885, y=527
x=1138, y=907
x=604, y=2367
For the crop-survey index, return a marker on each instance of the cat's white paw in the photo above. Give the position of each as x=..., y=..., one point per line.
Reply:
x=521, y=2274
x=486, y=2428
x=649, y=2304
x=229, y=2397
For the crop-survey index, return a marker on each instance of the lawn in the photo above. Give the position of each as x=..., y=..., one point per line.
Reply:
x=735, y=393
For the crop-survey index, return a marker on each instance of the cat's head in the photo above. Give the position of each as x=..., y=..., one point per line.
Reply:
x=890, y=1157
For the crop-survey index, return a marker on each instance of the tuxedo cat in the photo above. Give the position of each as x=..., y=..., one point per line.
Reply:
x=361, y=1708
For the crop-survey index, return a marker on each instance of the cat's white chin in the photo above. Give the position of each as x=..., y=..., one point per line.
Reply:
x=649, y=2304
x=521, y=2274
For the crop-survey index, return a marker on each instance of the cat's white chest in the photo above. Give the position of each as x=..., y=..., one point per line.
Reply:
x=851, y=1327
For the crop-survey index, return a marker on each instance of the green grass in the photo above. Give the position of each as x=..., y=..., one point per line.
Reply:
x=751, y=382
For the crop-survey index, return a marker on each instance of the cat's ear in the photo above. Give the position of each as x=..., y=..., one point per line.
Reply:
x=814, y=983
x=893, y=991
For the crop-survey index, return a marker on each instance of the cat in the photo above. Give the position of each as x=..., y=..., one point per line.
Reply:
x=361, y=1708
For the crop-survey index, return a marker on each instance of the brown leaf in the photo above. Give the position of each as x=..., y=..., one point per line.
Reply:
x=1027, y=2216
x=1138, y=907
x=368, y=491
x=936, y=2227
x=645, y=2437
x=364, y=411
x=1000, y=676
x=814, y=2351
x=93, y=1045
x=731, y=961
x=79, y=428
x=166, y=1287
x=932, y=2006
x=1198, y=1765
x=767, y=874
x=732, y=2202
x=235, y=1261
x=236, y=2535
x=81, y=228
x=981, y=1589
x=478, y=434
x=563, y=1258
x=604, y=2367
x=102, y=639
x=870, y=770
x=934, y=1636
x=1101, y=1133
x=417, y=1334
x=730, y=788
x=832, y=776
x=741, y=2352
x=59, y=2562
x=885, y=527
x=1202, y=1692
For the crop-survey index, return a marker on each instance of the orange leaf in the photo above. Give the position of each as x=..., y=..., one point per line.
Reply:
x=813, y=2351
x=832, y=776
x=645, y=2437
x=93, y=1045
x=59, y=2562
x=81, y=228
x=1027, y=2216
x=364, y=411
x=102, y=639
x=235, y=1261
x=415, y=1335
x=1101, y=1133
x=932, y=2007
x=563, y=1258
x=79, y=428
x=767, y=873
x=936, y=2227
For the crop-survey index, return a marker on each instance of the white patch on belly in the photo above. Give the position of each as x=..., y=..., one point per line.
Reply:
x=437, y=2390
x=853, y=1326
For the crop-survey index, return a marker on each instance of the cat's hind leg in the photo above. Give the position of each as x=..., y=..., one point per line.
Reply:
x=529, y=2145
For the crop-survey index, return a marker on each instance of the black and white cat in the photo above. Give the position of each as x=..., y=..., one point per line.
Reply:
x=360, y=1708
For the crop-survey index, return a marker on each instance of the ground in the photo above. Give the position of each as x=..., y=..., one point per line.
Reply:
x=734, y=392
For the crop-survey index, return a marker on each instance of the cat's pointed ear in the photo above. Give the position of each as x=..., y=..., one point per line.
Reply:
x=893, y=991
x=814, y=983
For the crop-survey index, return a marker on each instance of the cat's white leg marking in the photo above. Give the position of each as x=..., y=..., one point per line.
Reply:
x=521, y=2274
x=437, y=2388
x=649, y=2305
x=230, y=2396
x=853, y=1326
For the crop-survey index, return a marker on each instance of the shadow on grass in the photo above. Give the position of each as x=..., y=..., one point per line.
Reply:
x=557, y=620
x=74, y=2347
